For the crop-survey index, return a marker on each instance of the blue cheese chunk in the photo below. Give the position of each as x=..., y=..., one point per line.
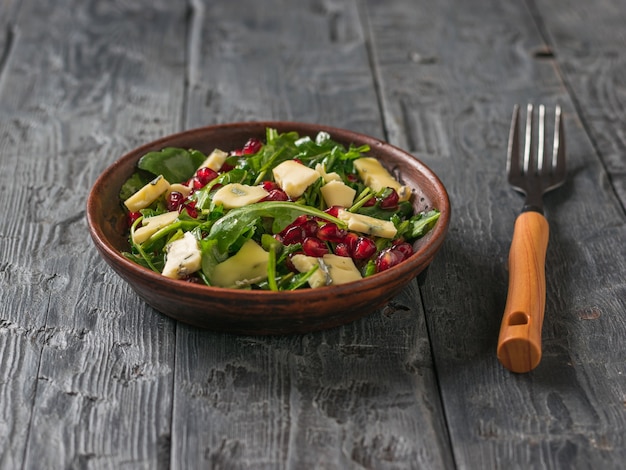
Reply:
x=294, y=177
x=183, y=257
x=337, y=193
x=247, y=266
x=377, y=177
x=238, y=195
x=215, y=160
x=368, y=225
x=150, y=225
x=147, y=195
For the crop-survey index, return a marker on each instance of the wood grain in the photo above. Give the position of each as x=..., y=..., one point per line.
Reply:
x=450, y=100
x=90, y=377
x=340, y=399
x=92, y=367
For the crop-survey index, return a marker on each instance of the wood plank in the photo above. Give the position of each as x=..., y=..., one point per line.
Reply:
x=363, y=395
x=590, y=43
x=91, y=379
x=447, y=94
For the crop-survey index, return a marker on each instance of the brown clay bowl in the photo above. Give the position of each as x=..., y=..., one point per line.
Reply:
x=263, y=312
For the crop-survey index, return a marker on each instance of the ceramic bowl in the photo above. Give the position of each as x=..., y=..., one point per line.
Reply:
x=263, y=312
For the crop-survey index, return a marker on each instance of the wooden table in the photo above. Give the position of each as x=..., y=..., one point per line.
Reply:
x=90, y=377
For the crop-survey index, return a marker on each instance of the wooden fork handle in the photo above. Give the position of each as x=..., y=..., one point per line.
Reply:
x=519, y=343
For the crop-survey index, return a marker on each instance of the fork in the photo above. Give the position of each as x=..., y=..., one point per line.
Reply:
x=519, y=342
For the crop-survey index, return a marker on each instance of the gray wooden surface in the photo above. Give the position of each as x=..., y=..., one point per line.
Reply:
x=90, y=377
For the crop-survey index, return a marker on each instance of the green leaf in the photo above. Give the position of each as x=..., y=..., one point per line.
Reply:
x=227, y=230
x=175, y=164
x=420, y=224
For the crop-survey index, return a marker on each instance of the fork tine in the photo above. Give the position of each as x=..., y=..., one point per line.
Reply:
x=541, y=139
x=529, y=141
x=558, y=152
x=512, y=154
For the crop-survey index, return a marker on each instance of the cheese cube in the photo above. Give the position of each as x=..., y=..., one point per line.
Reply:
x=336, y=193
x=341, y=269
x=150, y=225
x=368, y=225
x=304, y=263
x=238, y=195
x=248, y=265
x=377, y=177
x=215, y=160
x=328, y=177
x=294, y=177
x=147, y=195
x=183, y=257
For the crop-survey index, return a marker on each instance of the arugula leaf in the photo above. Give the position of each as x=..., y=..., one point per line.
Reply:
x=175, y=164
x=418, y=225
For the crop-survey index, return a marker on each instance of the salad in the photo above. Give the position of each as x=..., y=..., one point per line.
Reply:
x=286, y=213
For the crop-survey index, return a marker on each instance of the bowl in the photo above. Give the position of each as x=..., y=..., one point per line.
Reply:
x=263, y=312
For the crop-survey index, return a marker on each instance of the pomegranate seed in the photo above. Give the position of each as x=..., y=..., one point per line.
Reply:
x=390, y=201
x=226, y=167
x=350, y=240
x=174, y=200
x=313, y=246
x=132, y=216
x=405, y=248
x=334, y=211
x=205, y=175
x=331, y=233
x=293, y=235
x=276, y=195
x=252, y=146
x=269, y=185
x=300, y=220
x=236, y=153
x=342, y=249
x=364, y=248
x=388, y=259
x=352, y=177
x=310, y=228
x=370, y=202
x=190, y=207
x=196, y=183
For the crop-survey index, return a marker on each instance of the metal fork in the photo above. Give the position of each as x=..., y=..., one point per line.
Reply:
x=519, y=343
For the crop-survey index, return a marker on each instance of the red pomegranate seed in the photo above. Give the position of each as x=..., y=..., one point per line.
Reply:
x=205, y=175
x=252, y=146
x=226, y=167
x=310, y=228
x=364, y=248
x=370, y=202
x=342, y=249
x=352, y=177
x=313, y=246
x=331, y=233
x=132, y=216
x=190, y=207
x=174, y=200
x=269, y=185
x=350, y=240
x=300, y=220
x=390, y=201
x=405, y=248
x=334, y=211
x=387, y=259
x=292, y=235
x=276, y=195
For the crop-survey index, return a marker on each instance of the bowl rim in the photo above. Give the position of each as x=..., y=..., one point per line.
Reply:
x=422, y=256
